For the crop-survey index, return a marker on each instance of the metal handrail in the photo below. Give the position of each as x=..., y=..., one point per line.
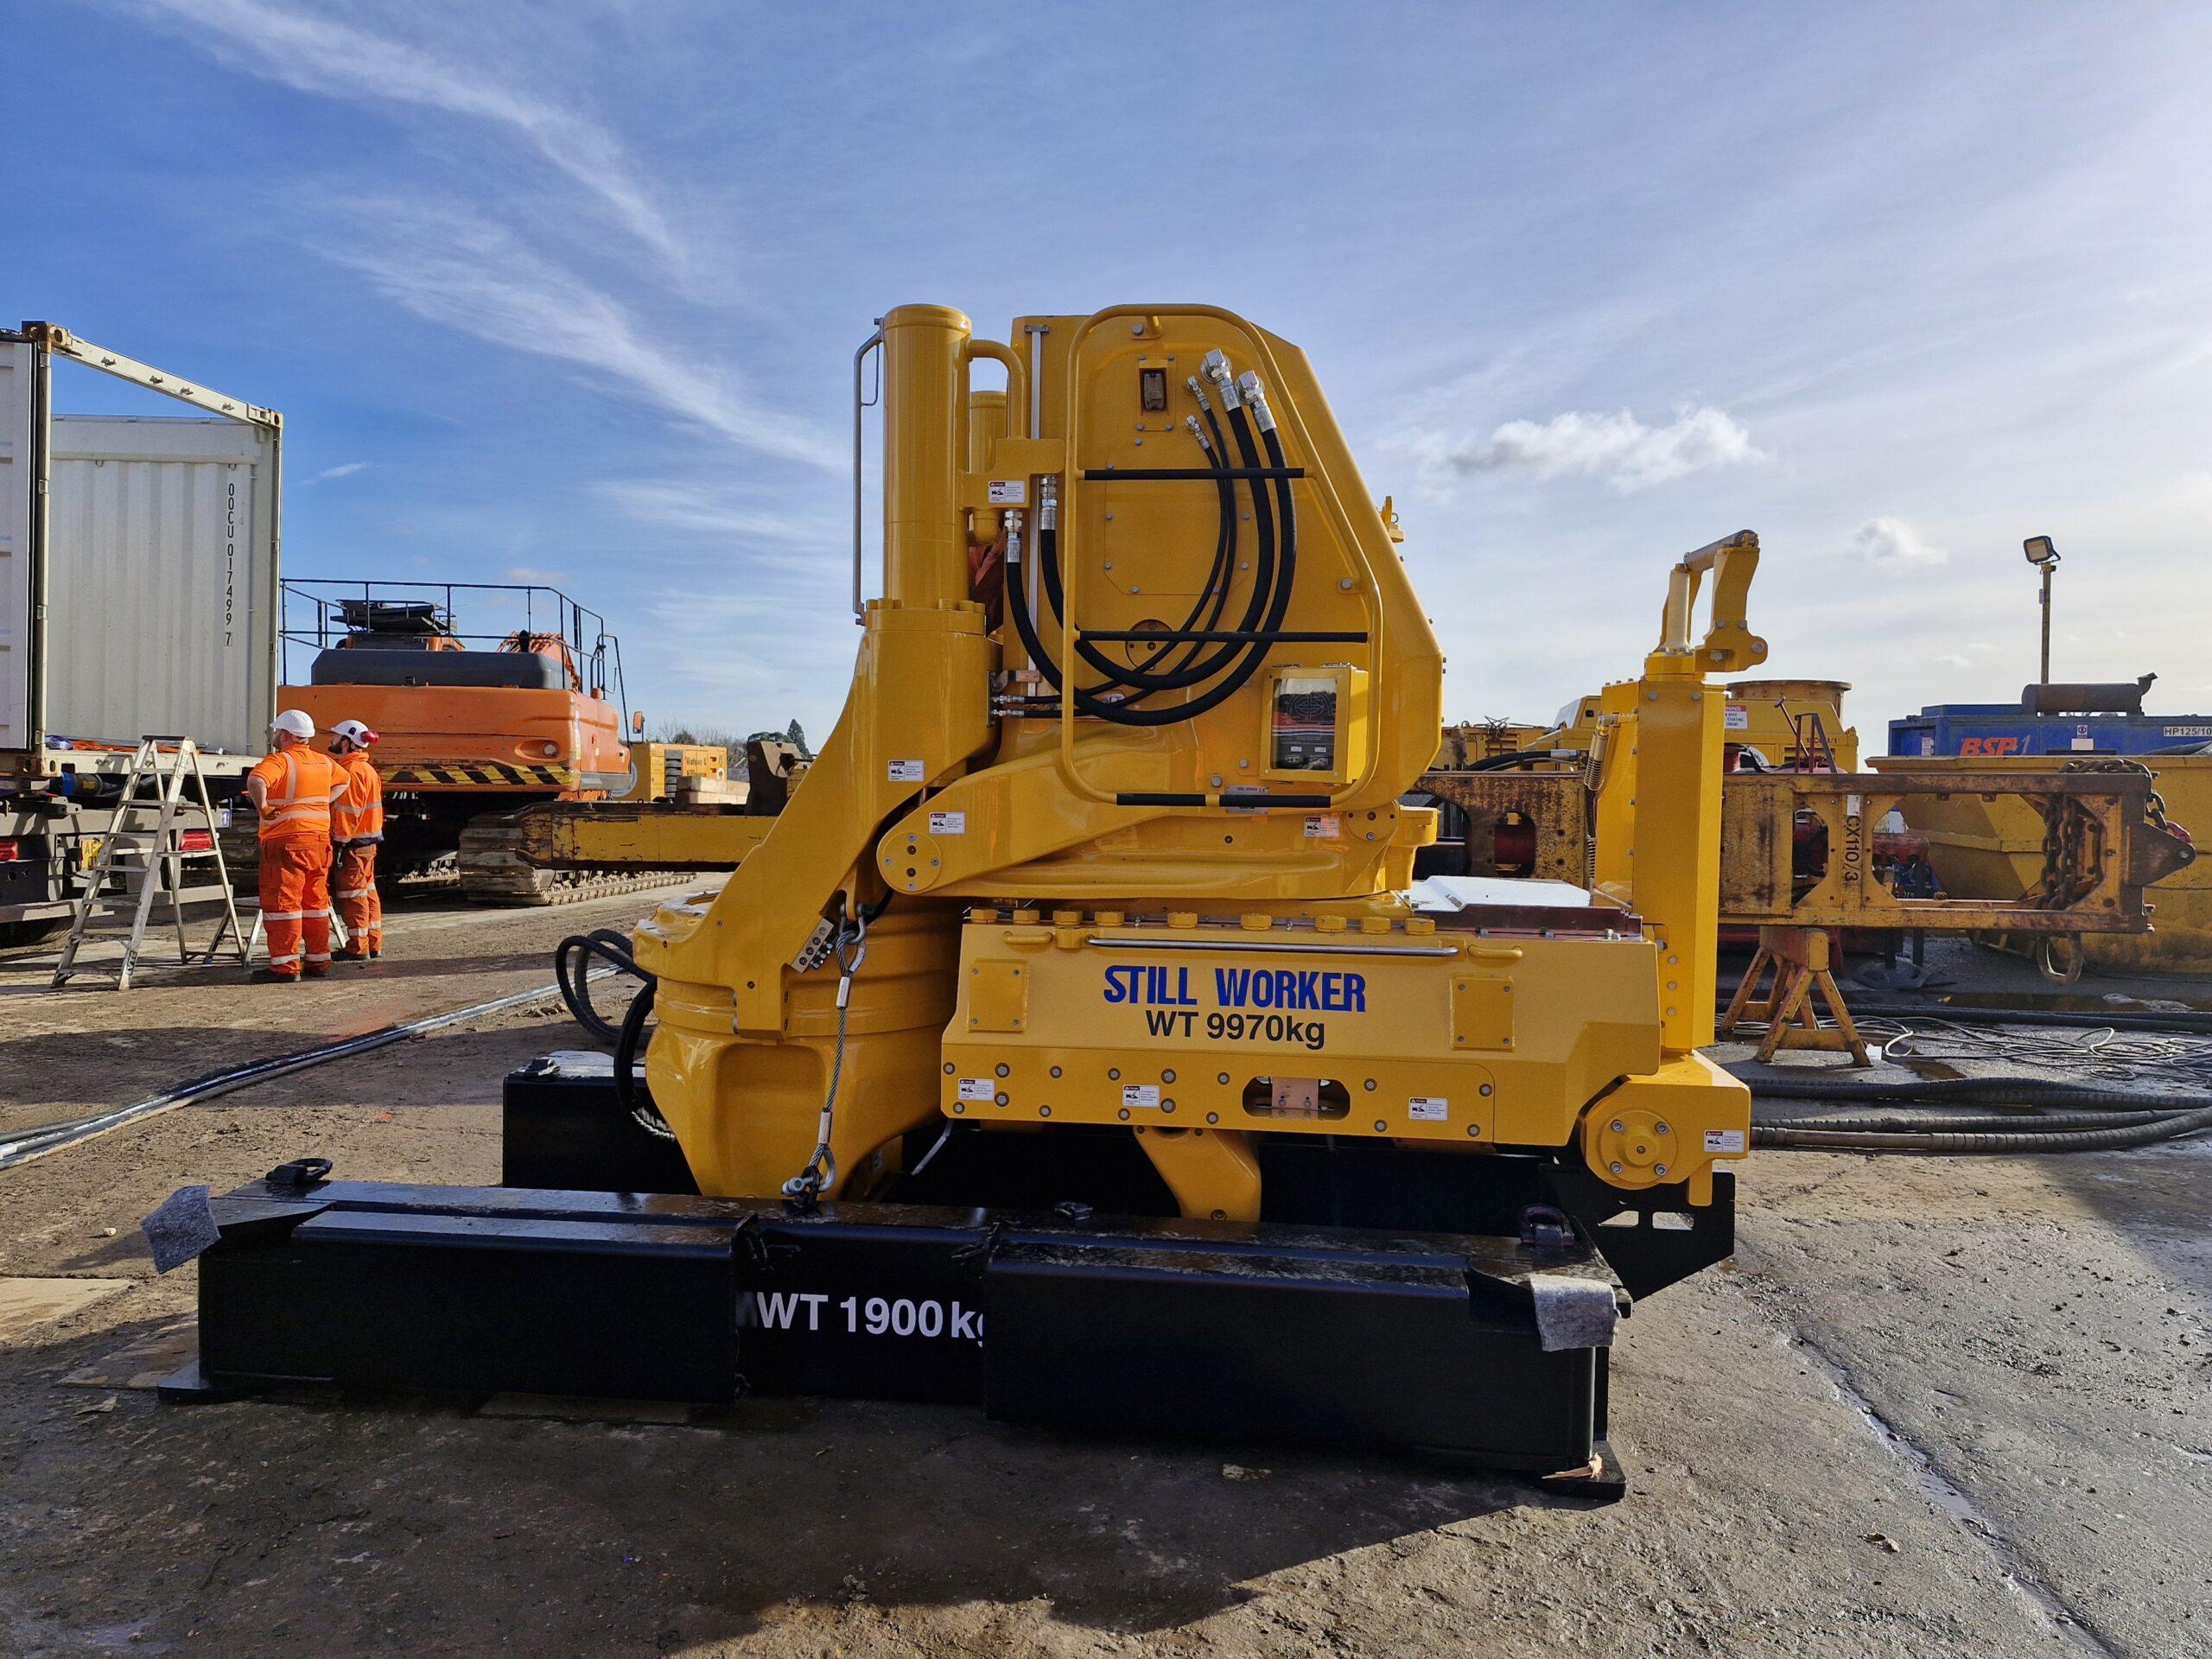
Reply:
x=1289, y=418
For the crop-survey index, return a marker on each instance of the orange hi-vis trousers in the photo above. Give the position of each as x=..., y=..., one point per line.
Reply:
x=354, y=887
x=295, y=903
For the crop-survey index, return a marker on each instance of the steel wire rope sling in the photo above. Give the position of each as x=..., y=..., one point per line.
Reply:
x=849, y=946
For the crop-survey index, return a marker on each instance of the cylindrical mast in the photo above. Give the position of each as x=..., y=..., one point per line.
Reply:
x=925, y=550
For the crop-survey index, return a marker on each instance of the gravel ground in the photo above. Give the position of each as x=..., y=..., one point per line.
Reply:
x=1933, y=1407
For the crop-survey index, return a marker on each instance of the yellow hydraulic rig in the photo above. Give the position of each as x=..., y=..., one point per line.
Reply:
x=1077, y=1041
x=1175, y=898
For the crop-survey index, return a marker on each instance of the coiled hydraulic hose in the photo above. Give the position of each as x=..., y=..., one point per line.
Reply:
x=1274, y=527
x=568, y=973
x=2164, y=1126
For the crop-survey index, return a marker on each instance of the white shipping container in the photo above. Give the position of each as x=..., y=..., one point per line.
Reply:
x=139, y=592
x=161, y=601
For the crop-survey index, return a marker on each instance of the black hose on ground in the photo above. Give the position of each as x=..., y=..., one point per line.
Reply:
x=1955, y=1144
x=2022, y=1091
x=2053, y=1116
x=2193, y=1020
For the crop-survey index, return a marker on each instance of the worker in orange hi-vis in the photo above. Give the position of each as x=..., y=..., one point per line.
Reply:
x=356, y=830
x=292, y=790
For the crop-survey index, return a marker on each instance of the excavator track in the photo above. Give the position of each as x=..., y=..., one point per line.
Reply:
x=492, y=871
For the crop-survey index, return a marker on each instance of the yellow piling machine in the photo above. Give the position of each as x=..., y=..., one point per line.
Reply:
x=1078, y=1041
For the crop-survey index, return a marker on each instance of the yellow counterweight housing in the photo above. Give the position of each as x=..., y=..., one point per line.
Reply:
x=1121, y=842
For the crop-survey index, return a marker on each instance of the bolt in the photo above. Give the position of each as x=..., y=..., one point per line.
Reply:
x=1370, y=1085
x=1044, y=1111
x=1379, y=1126
x=1125, y=1112
x=1056, y=1070
x=1617, y=1169
x=1113, y=1074
x=1662, y=1129
x=999, y=1097
x=1223, y=1077
x=1003, y=1070
x=1213, y=1117
x=1167, y=1105
x=1167, y=1077
x=1475, y=1129
x=1659, y=1169
x=1484, y=1090
x=948, y=1068
x=957, y=1107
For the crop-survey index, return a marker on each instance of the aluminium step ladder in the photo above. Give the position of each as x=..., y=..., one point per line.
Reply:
x=139, y=853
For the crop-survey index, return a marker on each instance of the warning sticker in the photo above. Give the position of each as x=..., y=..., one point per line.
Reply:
x=947, y=824
x=1735, y=717
x=1009, y=492
x=981, y=1089
x=1429, y=1109
x=1724, y=1139
x=1322, y=826
x=1139, y=1094
x=908, y=772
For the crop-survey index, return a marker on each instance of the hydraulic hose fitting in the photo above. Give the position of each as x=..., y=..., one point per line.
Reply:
x=1197, y=431
x=1196, y=390
x=1012, y=523
x=1048, y=503
x=1249, y=387
x=1216, y=368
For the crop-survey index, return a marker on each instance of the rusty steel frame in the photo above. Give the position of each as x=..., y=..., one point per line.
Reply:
x=2114, y=861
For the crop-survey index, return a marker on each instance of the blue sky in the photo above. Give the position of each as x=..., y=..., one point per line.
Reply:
x=571, y=289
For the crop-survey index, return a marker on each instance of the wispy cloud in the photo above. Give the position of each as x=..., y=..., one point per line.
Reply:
x=323, y=55
x=1616, y=448
x=455, y=268
x=732, y=512
x=345, y=469
x=1893, y=543
x=531, y=575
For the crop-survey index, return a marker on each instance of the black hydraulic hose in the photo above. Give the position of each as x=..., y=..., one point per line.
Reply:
x=1995, y=1123
x=2193, y=1019
x=23, y=1146
x=1782, y=1137
x=626, y=1060
x=2024, y=1092
x=1219, y=579
x=1122, y=710
x=569, y=973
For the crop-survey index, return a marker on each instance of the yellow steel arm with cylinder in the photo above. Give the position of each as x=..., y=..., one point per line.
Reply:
x=1131, y=851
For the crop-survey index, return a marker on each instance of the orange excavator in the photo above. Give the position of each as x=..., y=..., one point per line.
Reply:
x=473, y=726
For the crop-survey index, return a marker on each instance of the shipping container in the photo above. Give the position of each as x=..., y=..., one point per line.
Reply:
x=139, y=586
x=139, y=596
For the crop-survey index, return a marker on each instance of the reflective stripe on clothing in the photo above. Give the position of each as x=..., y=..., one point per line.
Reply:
x=360, y=815
x=298, y=785
x=358, y=899
x=294, y=879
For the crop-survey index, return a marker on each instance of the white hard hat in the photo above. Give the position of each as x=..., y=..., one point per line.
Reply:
x=295, y=721
x=354, y=733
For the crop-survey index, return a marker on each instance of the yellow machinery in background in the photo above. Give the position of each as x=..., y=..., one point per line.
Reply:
x=665, y=769
x=1077, y=1040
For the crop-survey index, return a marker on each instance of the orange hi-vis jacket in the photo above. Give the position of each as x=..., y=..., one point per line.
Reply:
x=357, y=814
x=302, y=786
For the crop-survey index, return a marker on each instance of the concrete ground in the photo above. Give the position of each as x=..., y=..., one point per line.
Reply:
x=1933, y=1408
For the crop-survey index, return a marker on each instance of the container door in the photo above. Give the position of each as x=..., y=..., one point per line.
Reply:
x=18, y=486
x=160, y=573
